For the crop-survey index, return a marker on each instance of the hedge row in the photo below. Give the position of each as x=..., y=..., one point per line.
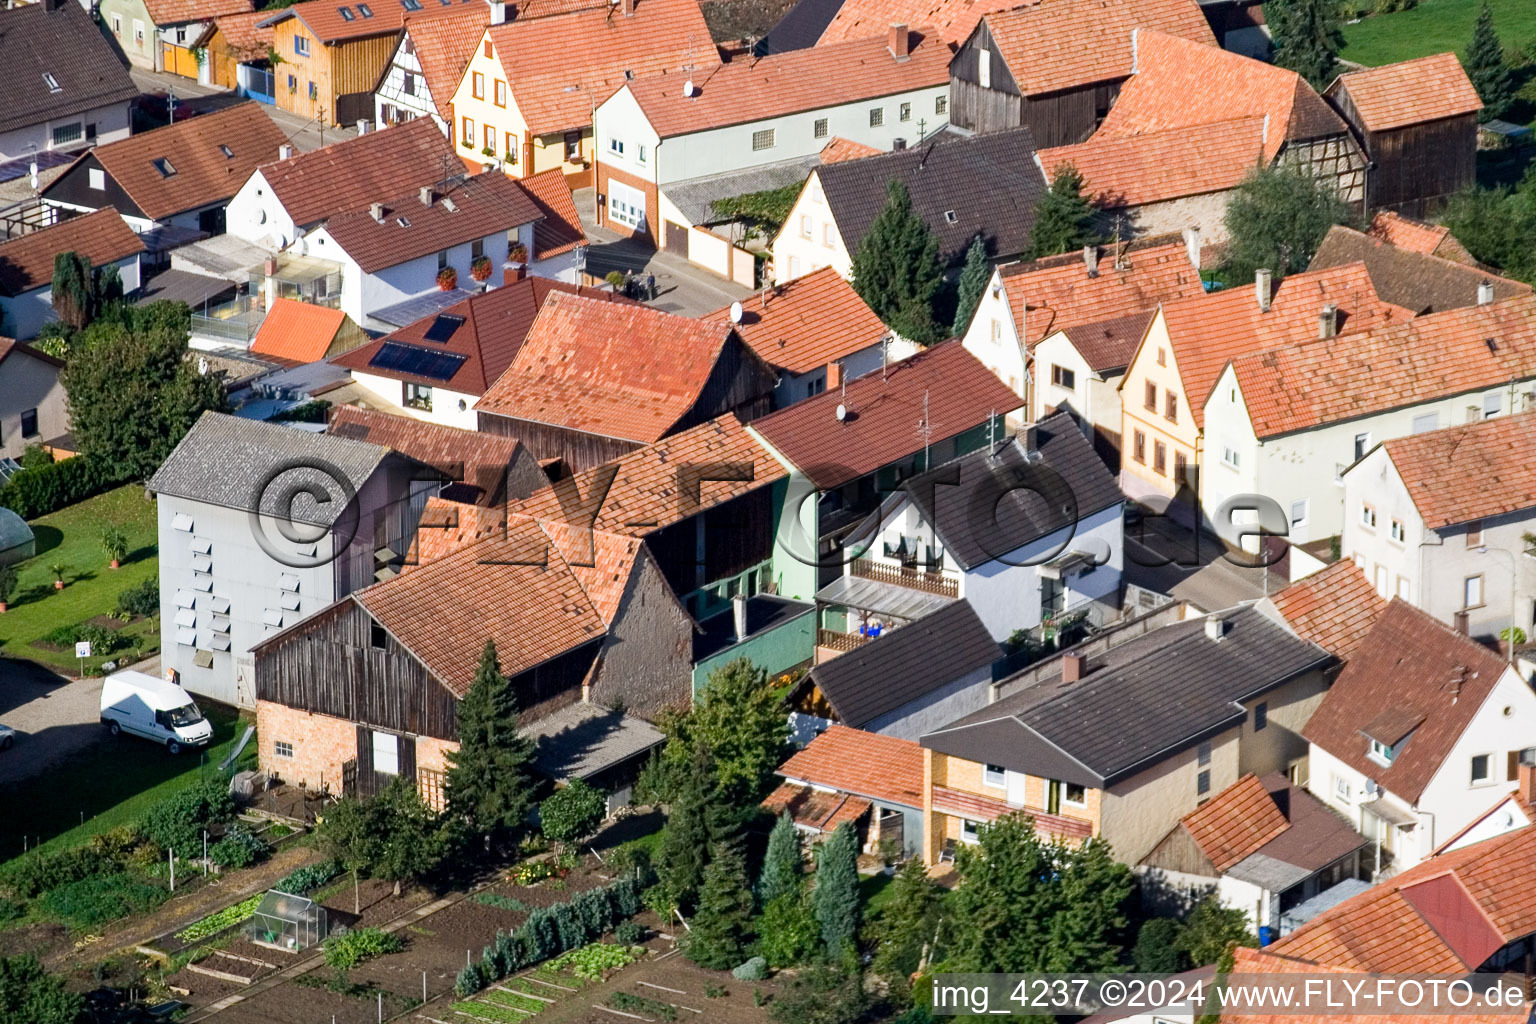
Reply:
x=43, y=489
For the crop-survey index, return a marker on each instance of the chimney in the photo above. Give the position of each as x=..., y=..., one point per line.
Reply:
x=1215, y=627
x=376, y=211
x=1459, y=623
x=1091, y=259
x=1527, y=775
x=498, y=12
x=1192, y=246
x=1029, y=439
x=285, y=151
x=1073, y=667
x=739, y=616
x=1458, y=680
x=1262, y=290
x=269, y=266
x=898, y=144
x=362, y=126
x=1485, y=293
x=1328, y=321
x=628, y=7
x=426, y=195
x=899, y=41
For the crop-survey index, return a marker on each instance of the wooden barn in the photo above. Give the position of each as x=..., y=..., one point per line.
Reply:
x=1057, y=65
x=1417, y=122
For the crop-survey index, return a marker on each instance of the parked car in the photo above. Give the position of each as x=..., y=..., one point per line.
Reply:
x=7, y=737
x=156, y=709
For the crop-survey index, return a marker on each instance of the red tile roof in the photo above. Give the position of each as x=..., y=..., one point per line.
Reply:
x=245, y=38
x=807, y=323
x=371, y=168
x=495, y=324
x=960, y=803
x=300, y=331
x=1107, y=346
x=180, y=12
x=560, y=67
x=480, y=461
x=101, y=237
x=1412, y=665
x=1334, y=608
x=1438, y=355
x=758, y=88
x=1469, y=472
x=943, y=388
x=625, y=371
x=560, y=231
x=840, y=149
x=1430, y=239
x=1208, y=331
x=1409, y=92
x=325, y=20
x=813, y=809
x=1153, y=167
x=1052, y=45
x=953, y=19
x=447, y=526
x=484, y=205
x=865, y=764
x=444, y=43
x=1235, y=823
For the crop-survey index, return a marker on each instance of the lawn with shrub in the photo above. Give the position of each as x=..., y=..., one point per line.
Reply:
x=1435, y=26
x=72, y=537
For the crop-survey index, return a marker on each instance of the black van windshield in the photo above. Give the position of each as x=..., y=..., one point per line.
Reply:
x=188, y=715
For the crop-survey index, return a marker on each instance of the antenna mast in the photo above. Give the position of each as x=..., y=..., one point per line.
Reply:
x=925, y=431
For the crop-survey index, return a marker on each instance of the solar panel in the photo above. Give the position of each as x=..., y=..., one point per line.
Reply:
x=443, y=327
x=418, y=362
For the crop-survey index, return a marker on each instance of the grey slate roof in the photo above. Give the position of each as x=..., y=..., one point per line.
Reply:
x=230, y=461
x=1140, y=702
x=43, y=39
x=988, y=503
x=581, y=740
x=907, y=663
x=989, y=183
x=694, y=196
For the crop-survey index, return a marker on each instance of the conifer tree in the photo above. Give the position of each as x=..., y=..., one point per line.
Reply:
x=685, y=838
x=836, y=896
x=973, y=284
x=722, y=925
x=782, y=863
x=896, y=269
x=1490, y=76
x=1064, y=218
x=906, y=927
x=488, y=782
x=1307, y=36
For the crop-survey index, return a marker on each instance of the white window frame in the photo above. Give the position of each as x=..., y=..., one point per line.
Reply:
x=805, y=225
x=1468, y=585
x=1472, y=777
x=1367, y=515
x=1382, y=754
x=1493, y=405
x=995, y=776
x=1230, y=457
x=1301, y=512
x=97, y=178
x=1425, y=422
x=1066, y=788
x=1342, y=790
x=1362, y=445
x=970, y=831
x=1396, y=531
x=282, y=748
x=300, y=44
x=984, y=68
x=386, y=750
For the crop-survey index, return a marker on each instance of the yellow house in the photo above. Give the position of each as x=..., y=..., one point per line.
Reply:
x=1122, y=736
x=525, y=100
x=1188, y=342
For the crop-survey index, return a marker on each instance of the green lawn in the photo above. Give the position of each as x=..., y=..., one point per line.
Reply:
x=1435, y=26
x=73, y=536
x=112, y=783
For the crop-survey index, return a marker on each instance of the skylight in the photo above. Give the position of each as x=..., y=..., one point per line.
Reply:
x=365, y=10
x=229, y=154
x=404, y=222
x=411, y=5
x=53, y=83
x=949, y=217
x=346, y=13
x=164, y=166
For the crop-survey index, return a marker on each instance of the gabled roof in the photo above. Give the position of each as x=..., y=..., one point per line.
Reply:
x=560, y=67
x=560, y=229
x=180, y=12
x=1208, y=331
x=755, y=89
x=101, y=237
x=478, y=207
x=1409, y=277
x=444, y=43
x=984, y=184
x=885, y=410
x=1469, y=472
x=1107, y=346
x=480, y=461
x=371, y=168
x=245, y=37
x=1409, y=92
x=512, y=588
x=44, y=41
x=235, y=462
x=952, y=19
x=1138, y=703
x=1050, y=45
x=191, y=163
x=1412, y=664
x=325, y=18
x=486, y=329
x=807, y=323
x=862, y=763
x=1023, y=503
x=1430, y=239
x=905, y=664
x=300, y=331
x=1156, y=166
x=1235, y=823
x=1439, y=355
x=1058, y=293
x=1334, y=607
x=619, y=370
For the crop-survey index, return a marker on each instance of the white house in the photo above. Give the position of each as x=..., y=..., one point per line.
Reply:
x=1287, y=422
x=421, y=77
x=1420, y=734
x=26, y=266
x=1439, y=519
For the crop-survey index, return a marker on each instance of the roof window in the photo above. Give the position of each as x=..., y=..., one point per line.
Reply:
x=53, y=83
x=229, y=154
x=346, y=13
x=365, y=10
x=950, y=218
x=165, y=167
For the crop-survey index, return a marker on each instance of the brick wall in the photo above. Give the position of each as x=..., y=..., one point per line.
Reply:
x=320, y=745
x=607, y=174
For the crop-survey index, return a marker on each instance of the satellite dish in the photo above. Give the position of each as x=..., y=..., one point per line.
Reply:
x=688, y=87
x=842, y=413
x=735, y=312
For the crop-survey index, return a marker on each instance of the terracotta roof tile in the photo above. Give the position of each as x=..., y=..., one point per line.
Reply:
x=495, y=322
x=625, y=371
x=444, y=43
x=754, y=89
x=481, y=461
x=560, y=231
x=1435, y=356
x=963, y=804
x=1409, y=92
x=245, y=38
x=300, y=331
x=101, y=237
x=885, y=411
x=1052, y=45
x=1208, y=331
x=1334, y=608
x=1152, y=167
x=180, y=12
x=447, y=526
x=807, y=323
x=1430, y=239
x=486, y=204
x=1107, y=346
x=1057, y=294
x=840, y=149
x=1236, y=822
x=553, y=93
x=954, y=20
x=325, y=20
x=351, y=174
x=865, y=764
x=1409, y=277
x=1469, y=472
x=813, y=809
x=1413, y=662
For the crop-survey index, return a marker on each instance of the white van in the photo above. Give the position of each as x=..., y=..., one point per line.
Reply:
x=156, y=709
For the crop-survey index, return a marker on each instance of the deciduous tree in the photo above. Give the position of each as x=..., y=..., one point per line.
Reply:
x=741, y=722
x=573, y=812
x=30, y=995
x=489, y=784
x=1211, y=929
x=1277, y=218
x=896, y=269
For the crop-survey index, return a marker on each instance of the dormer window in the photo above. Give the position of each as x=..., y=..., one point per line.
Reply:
x=1383, y=754
x=52, y=83
x=165, y=167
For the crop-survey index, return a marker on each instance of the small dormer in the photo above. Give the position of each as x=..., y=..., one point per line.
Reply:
x=1389, y=731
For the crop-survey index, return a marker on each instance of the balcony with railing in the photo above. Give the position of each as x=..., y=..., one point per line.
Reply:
x=924, y=577
x=235, y=321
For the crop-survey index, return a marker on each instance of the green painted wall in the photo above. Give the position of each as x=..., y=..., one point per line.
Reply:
x=775, y=651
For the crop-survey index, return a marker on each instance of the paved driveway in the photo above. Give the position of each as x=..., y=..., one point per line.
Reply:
x=53, y=717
